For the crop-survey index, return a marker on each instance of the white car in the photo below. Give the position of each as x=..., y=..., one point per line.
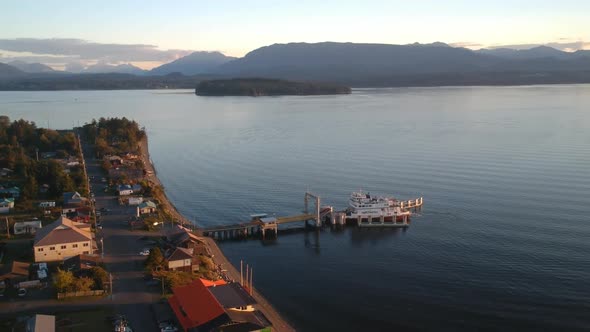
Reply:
x=144, y=252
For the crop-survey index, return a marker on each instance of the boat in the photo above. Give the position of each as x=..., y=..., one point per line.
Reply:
x=367, y=210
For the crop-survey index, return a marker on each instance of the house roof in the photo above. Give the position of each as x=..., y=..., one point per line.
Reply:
x=42, y=323
x=209, y=283
x=180, y=254
x=82, y=261
x=63, y=230
x=15, y=270
x=232, y=295
x=147, y=204
x=124, y=187
x=194, y=305
x=6, y=200
x=36, y=223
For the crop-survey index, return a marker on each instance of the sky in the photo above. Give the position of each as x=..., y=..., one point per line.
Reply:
x=147, y=33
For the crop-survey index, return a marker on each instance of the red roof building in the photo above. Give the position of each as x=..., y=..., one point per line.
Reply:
x=196, y=308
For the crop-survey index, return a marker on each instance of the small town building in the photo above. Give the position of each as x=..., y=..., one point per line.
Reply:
x=6, y=172
x=6, y=204
x=181, y=259
x=47, y=204
x=79, y=214
x=13, y=192
x=74, y=198
x=81, y=262
x=124, y=190
x=146, y=207
x=135, y=200
x=182, y=237
x=137, y=188
x=205, y=305
x=40, y=323
x=14, y=273
x=27, y=227
x=62, y=239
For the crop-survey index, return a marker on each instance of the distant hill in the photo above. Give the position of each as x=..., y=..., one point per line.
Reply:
x=31, y=67
x=256, y=87
x=349, y=64
x=119, y=69
x=532, y=53
x=407, y=65
x=193, y=64
x=9, y=71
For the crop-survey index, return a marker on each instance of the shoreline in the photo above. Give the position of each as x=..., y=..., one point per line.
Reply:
x=277, y=321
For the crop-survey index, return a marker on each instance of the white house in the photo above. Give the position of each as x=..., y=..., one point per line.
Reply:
x=47, y=204
x=125, y=190
x=135, y=200
x=6, y=204
x=27, y=227
x=62, y=239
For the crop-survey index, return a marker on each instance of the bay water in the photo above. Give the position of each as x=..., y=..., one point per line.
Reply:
x=502, y=243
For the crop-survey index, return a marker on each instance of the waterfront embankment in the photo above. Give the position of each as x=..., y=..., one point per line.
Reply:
x=278, y=322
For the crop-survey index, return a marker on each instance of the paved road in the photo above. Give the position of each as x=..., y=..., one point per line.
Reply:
x=131, y=296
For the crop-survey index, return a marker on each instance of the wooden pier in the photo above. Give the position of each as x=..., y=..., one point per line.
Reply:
x=266, y=226
x=411, y=204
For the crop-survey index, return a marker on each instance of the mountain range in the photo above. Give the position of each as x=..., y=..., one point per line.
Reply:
x=358, y=64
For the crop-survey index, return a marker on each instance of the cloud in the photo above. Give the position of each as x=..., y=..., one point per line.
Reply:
x=64, y=50
x=564, y=46
x=467, y=44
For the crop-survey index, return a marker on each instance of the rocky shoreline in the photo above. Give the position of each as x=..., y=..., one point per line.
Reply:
x=278, y=322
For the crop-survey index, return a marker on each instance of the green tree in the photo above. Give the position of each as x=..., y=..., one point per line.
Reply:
x=154, y=260
x=100, y=276
x=83, y=284
x=173, y=279
x=63, y=280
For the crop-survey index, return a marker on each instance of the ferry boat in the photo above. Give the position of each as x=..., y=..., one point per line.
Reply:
x=367, y=210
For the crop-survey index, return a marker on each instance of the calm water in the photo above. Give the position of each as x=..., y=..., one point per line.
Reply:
x=502, y=243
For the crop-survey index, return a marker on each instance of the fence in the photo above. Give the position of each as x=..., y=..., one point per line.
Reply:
x=77, y=294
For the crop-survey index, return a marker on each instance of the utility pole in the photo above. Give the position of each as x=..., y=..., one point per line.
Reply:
x=241, y=273
x=7, y=228
x=251, y=287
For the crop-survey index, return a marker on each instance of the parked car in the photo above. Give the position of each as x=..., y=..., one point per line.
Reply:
x=144, y=252
x=99, y=225
x=22, y=292
x=169, y=328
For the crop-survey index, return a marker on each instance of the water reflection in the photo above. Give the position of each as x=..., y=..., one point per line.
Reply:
x=360, y=236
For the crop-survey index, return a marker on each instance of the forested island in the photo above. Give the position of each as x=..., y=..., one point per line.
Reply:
x=267, y=87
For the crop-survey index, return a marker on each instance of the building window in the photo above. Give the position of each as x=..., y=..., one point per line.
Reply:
x=51, y=248
x=63, y=247
x=85, y=244
x=75, y=245
x=39, y=249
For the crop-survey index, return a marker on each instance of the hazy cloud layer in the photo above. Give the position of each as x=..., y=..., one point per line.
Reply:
x=69, y=50
x=564, y=46
x=467, y=44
